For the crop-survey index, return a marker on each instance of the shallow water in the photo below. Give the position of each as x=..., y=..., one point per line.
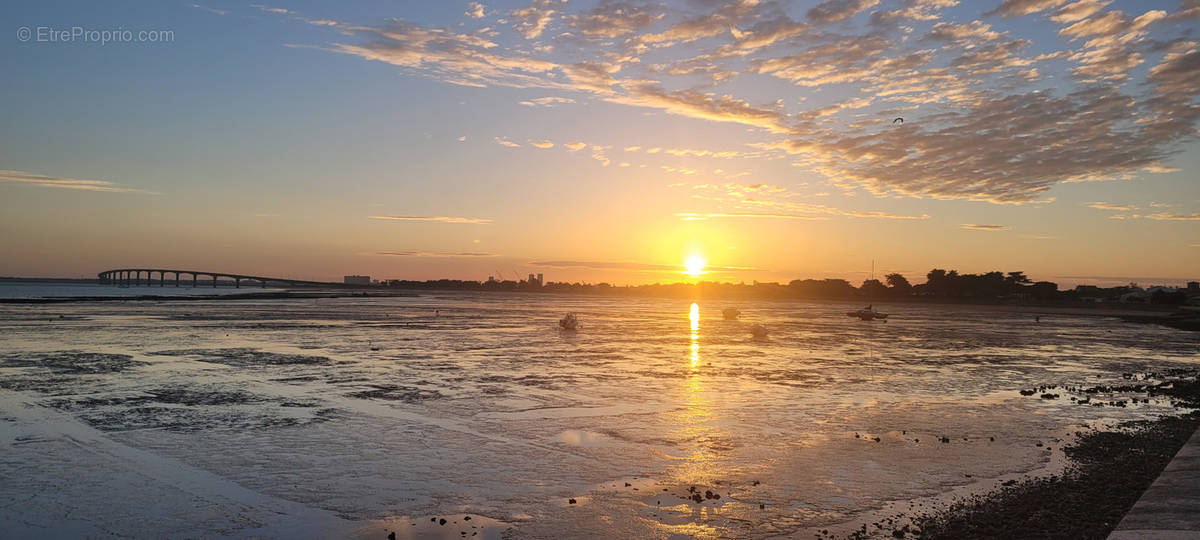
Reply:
x=356, y=417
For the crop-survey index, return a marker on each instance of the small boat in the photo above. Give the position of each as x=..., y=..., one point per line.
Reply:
x=758, y=331
x=731, y=314
x=866, y=314
x=569, y=322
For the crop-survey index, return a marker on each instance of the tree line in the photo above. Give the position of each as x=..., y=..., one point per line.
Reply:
x=939, y=284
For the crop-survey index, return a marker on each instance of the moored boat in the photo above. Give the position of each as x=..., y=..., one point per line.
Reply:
x=866, y=314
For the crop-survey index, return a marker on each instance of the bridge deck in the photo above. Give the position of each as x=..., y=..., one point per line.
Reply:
x=132, y=276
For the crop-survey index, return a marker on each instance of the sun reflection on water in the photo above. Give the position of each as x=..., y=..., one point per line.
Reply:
x=697, y=423
x=694, y=317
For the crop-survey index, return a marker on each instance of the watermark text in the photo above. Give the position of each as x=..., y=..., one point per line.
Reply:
x=93, y=36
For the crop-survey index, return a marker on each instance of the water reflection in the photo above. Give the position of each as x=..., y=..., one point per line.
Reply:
x=697, y=424
x=694, y=317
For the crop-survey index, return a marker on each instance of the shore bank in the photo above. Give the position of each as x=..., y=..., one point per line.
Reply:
x=1110, y=468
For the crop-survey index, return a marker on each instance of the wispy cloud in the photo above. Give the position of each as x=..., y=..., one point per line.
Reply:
x=979, y=227
x=269, y=9
x=441, y=219
x=1174, y=217
x=439, y=254
x=635, y=266
x=42, y=180
x=547, y=101
x=1111, y=206
x=693, y=216
x=1017, y=8
x=505, y=142
x=542, y=144
x=210, y=10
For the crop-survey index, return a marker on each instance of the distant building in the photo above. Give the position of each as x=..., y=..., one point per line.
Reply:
x=356, y=280
x=1193, y=288
x=491, y=279
x=535, y=281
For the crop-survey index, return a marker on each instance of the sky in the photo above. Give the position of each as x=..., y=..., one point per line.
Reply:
x=603, y=140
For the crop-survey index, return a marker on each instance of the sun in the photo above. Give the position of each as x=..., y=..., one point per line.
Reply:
x=694, y=265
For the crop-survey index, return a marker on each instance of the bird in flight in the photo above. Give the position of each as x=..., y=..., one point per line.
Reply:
x=901, y=120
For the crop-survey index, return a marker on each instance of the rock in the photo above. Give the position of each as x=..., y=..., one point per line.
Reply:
x=570, y=501
x=442, y=521
x=391, y=536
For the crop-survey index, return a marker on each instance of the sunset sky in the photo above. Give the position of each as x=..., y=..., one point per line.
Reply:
x=605, y=141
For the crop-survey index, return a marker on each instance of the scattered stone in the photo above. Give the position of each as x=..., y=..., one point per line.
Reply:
x=570, y=501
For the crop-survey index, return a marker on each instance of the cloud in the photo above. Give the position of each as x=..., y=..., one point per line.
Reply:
x=634, y=266
x=505, y=142
x=602, y=265
x=705, y=106
x=463, y=59
x=1111, y=206
x=982, y=132
x=609, y=20
x=949, y=32
x=531, y=21
x=598, y=154
x=440, y=254
x=440, y=219
x=1016, y=8
x=692, y=216
x=1174, y=217
x=978, y=227
x=780, y=201
x=837, y=10
x=719, y=22
x=1078, y=10
x=546, y=101
x=575, y=145
x=41, y=180
x=268, y=9
x=211, y=10
x=542, y=144
x=475, y=10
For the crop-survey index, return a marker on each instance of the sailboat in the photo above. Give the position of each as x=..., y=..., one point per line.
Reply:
x=868, y=313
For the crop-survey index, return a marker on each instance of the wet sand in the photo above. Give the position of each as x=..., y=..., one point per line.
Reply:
x=345, y=417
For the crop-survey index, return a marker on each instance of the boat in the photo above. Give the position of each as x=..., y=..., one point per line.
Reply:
x=758, y=331
x=731, y=314
x=569, y=322
x=866, y=314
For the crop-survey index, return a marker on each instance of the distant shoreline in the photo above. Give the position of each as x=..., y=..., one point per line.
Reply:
x=1166, y=315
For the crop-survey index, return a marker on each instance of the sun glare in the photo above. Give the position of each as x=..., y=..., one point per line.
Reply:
x=694, y=265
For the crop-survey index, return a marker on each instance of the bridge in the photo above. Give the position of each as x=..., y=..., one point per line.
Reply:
x=132, y=277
